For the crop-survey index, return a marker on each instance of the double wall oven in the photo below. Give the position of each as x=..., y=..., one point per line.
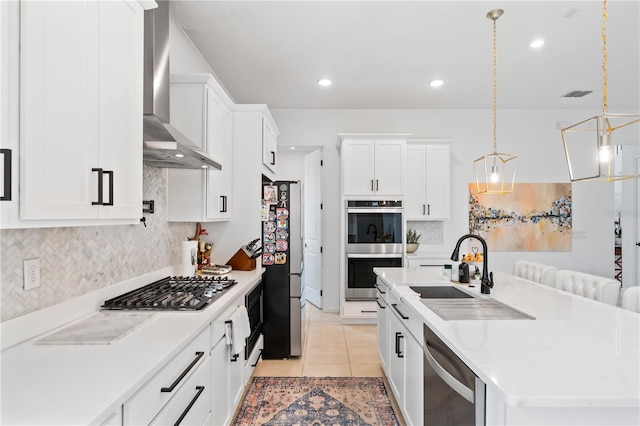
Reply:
x=374, y=239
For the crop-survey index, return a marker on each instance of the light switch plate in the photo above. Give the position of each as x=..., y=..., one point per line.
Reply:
x=31, y=273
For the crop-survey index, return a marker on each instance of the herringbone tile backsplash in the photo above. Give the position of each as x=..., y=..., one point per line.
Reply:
x=75, y=261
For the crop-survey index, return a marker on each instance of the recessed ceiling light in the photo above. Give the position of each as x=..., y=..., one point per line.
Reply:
x=204, y=166
x=179, y=155
x=538, y=42
x=436, y=83
x=293, y=147
x=324, y=82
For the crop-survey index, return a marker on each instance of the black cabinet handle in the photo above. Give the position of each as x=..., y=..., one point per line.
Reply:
x=424, y=212
x=200, y=389
x=368, y=311
x=110, y=173
x=257, y=359
x=380, y=304
x=273, y=158
x=376, y=184
x=183, y=374
x=403, y=316
x=6, y=193
x=398, y=334
x=223, y=199
x=99, y=202
x=379, y=290
x=371, y=185
x=400, y=354
x=234, y=357
x=428, y=209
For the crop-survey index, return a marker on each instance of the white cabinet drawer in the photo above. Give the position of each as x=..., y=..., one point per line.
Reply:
x=150, y=399
x=192, y=404
x=358, y=310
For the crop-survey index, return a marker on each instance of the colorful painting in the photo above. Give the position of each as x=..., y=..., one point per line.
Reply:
x=534, y=217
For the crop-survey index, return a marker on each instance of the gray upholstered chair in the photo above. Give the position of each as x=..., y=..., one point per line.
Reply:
x=531, y=271
x=631, y=298
x=594, y=287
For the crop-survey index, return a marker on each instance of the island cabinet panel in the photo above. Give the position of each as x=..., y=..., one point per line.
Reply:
x=203, y=116
x=405, y=371
x=428, y=182
x=373, y=167
x=382, y=328
x=80, y=108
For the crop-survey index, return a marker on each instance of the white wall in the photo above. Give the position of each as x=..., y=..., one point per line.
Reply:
x=530, y=134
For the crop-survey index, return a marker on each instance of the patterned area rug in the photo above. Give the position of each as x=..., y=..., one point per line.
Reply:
x=286, y=401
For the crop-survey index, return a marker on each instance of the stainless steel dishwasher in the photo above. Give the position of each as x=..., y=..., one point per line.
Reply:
x=453, y=394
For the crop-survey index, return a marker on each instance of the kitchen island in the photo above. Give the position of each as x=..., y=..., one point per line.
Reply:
x=577, y=363
x=106, y=383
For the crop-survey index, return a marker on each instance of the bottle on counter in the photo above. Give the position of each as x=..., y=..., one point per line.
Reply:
x=454, y=273
x=448, y=272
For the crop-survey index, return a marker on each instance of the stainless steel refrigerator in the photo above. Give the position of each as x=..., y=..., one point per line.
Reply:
x=282, y=259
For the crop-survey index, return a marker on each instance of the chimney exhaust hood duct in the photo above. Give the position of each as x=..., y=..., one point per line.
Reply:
x=164, y=145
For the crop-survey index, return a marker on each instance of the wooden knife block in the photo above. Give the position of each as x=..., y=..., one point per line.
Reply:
x=241, y=262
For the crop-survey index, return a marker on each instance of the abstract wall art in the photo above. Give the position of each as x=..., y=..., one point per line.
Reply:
x=534, y=217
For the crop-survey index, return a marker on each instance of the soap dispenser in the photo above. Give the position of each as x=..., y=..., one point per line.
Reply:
x=463, y=273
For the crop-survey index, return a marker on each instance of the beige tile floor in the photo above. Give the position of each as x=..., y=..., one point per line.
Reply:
x=329, y=348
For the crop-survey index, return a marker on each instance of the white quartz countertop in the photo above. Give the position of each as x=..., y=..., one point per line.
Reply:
x=82, y=384
x=576, y=353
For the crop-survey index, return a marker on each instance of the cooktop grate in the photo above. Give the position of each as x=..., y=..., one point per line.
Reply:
x=172, y=294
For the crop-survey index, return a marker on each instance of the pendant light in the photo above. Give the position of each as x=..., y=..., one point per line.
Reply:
x=588, y=145
x=496, y=172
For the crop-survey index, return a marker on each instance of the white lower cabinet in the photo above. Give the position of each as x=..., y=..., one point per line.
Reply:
x=383, y=325
x=405, y=364
x=171, y=383
x=192, y=404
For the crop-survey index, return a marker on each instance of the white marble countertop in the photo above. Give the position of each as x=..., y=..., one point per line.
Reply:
x=82, y=384
x=576, y=353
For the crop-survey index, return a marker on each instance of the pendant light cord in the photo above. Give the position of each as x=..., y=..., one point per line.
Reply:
x=495, y=88
x=605, y=56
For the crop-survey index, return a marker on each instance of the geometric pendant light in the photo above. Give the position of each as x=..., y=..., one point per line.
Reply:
x=589, y=145
x=495, y=172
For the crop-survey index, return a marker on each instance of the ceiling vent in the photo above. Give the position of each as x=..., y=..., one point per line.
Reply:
x=576, y=94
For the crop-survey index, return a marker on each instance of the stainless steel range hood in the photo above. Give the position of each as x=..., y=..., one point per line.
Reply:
x=164, y=145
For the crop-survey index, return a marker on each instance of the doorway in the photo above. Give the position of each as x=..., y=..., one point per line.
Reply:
x=304, y=163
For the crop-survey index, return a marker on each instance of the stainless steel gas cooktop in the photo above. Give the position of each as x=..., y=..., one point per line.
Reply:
x=172, y=294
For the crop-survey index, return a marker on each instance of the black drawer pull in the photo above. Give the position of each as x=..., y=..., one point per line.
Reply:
x=234, y=357
x=183, y=374
x=379, y=290
x=200, y=389
x=99, y=202
x=110, y=173
x=403, y=316
x=6, y=193
x=400, y=354
x=273, y=158
x=379, y=304
x=368, y=311
x=398, y=334
x=257, y=359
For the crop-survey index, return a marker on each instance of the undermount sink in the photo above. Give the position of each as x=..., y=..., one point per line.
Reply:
x=440, y=292
x=474, y=309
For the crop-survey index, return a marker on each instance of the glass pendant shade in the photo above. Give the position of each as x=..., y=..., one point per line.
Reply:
x=495, y=173
x=590, y=146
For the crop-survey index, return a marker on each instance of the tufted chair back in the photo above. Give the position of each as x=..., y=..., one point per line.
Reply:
x=531, y=271
x=594, y=287
x=631, y=299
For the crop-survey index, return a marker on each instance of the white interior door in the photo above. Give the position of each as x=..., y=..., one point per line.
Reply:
x=637, y=213
x=312, y=276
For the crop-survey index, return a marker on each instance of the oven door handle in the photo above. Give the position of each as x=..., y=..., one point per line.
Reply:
x=374, y=256
x=374, y=210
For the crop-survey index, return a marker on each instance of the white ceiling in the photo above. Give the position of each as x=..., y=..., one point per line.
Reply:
x=382, y=54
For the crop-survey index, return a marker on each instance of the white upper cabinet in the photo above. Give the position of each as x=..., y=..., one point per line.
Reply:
x=200, y=113
x=269, y=146
x=373, y=167
x=80, y=111
x=428, y=183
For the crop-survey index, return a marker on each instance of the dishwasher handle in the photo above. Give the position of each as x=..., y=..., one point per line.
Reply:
x=451, y=381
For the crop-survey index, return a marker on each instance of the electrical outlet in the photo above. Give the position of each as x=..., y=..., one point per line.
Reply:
x=31, y=273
